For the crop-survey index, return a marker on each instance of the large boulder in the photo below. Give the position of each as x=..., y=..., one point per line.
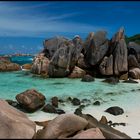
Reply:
x=64, y=60
x=132, y=62
x=77, y=73
x=108, y=132
x=87, y=42
x=118, y=36
x=115, y=39
x=51, y=45
x=111, y=133
x=13, y=67
x=96, y=48
x=118, y=49
x=134, y=49
x=120, y=58
x=7, y=65
x=92, y=133
x=106, y=66
x=62, y=126
x=31, y=100
x=5, y=60
x=134, y=73
x=14, y=124
x=40, y=64
x=78, y=43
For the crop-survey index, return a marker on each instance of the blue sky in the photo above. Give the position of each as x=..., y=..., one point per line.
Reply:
x=47, y=19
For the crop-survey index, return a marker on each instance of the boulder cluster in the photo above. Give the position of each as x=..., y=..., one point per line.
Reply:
x=96, y=56
x=16, y=125
x=7, y=65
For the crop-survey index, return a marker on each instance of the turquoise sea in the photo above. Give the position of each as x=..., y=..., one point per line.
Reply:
x=13, y=83
x=124, y=95
x=21, y=60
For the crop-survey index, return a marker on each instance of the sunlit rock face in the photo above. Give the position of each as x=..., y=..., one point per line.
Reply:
x=7, y=65
x=115, y=62
x=96, y=47
x=40, y=64
x=51, y=45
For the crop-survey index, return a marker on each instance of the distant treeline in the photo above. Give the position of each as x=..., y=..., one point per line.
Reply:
x=135, y=38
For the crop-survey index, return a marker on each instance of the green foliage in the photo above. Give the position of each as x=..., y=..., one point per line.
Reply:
x=135, y=38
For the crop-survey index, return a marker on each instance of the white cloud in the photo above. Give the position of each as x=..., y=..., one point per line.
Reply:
x=16, y=21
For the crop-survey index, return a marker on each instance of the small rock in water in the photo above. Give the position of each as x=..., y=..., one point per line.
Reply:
x=87, y=105
x=76, y=101
x=123, y=124
x=61, y=101
x=54, y=101
x=78, y=111
x=117, y=124
x=96, y=103
x=133, y=90
x=114, y=124
x=115, y=110
x=60, y=111
x=87, y=78
x=85, y=101
x=111, y=80
x=109, y=122
x=26, y=73
x=81, y=106
x=110, y=93
x=49, y=109
x=103, y=120
x=130, y=81
x=69, y=99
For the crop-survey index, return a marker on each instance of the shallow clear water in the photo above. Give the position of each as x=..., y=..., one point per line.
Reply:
x=126, y=96
x=13, y=83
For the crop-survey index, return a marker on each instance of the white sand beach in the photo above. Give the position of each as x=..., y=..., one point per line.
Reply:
x=130, y=117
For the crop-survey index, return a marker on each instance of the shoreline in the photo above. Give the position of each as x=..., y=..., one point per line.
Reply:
x=130, y=117
x=131, y=109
